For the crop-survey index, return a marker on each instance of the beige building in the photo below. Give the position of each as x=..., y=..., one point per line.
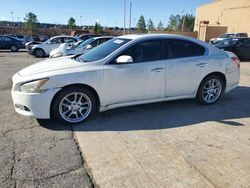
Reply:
x=229, y=15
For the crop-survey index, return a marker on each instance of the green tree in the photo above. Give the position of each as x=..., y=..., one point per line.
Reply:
x=150, y=25
x=174, y=23
x=71, y=23
x=188, y=22
x=30, y=22
x=160, y=26
x=98, y=28
x=141, y=25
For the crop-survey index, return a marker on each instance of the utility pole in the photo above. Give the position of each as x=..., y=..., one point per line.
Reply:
x=130, y=14
x=124, y=24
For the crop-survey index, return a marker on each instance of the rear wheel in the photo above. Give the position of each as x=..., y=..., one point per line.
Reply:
x=14, y=48
x=39, y=53
x=210, y=90
x=74, y=105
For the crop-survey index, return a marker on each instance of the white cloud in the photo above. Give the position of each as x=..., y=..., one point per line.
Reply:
x=2, y=18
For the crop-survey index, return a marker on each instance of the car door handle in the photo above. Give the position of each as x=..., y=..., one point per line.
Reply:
x=156, y=69
x=201, y=64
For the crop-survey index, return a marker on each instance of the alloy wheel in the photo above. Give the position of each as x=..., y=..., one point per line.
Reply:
x=75, y=107
x=211, y=90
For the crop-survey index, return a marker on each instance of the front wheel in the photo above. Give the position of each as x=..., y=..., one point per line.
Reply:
x=210, y=90
x=39, y=53
x=74, y=105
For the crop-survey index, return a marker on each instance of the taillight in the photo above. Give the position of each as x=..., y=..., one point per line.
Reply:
x=236, y=60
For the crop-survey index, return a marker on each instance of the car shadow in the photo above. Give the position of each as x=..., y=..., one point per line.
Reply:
x=165, y=115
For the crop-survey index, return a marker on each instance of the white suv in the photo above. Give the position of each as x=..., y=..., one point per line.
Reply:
x=43, y=49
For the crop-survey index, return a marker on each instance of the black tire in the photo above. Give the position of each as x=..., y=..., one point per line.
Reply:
x=55, y=109
x=200, y=96
x=39, y=53
x=14, y=48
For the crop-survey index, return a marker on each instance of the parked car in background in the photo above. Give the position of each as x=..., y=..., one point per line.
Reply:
x=80, y=47
x=8, y=42
x=227, y=36
x=43, y=49
x=87, y=36
x=124, y=71
x=30, y=44
x=239, y=46
x=23, y=38
x=35, y=38
x=43, y=38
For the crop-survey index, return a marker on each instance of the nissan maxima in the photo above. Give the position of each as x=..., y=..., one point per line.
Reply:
x=127, y=70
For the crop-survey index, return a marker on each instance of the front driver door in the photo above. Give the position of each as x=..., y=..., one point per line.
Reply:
x=144, y=79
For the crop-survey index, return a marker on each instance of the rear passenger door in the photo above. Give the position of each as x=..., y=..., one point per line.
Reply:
x=186, y=66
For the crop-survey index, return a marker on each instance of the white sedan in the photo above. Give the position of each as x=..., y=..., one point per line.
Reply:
x=79, y=47
x=127, y=70
x=43, y=49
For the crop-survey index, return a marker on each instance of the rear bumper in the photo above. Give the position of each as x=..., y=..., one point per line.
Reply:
x=233, y=79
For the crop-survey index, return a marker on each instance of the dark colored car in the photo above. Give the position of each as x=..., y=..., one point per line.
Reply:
x=8, y=42
x=87, y=36
x=239, y=46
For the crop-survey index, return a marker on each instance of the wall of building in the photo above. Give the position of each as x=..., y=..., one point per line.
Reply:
x=234, y=14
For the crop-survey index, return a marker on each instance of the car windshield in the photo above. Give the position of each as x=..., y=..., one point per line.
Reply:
x=226, y=36
x=85, y=43
x=103, y=50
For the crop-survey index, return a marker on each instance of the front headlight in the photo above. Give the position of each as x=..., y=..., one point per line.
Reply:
x=34, y=86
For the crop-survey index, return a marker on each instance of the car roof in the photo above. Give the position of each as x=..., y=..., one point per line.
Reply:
x=148, y=36
x=233, y=33
x=63, y=36
x=103, y=37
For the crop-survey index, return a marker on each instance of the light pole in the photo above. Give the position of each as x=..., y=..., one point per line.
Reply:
x=81, y=20
x=12, y=17
x=183, y=21
x=130, y=14
x=124, y=21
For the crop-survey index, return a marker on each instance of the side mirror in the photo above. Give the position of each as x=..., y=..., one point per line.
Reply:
x=124, y=59
x=49, y=42
x=88, y=47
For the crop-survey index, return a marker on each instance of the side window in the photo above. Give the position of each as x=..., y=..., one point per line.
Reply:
x=181, y=48
x=145, y=51
x=6, y=39
x=246, y=43
x=103, y=40
x=95, y=43
x=243, y=35
x=69, y=40
x=56, y=41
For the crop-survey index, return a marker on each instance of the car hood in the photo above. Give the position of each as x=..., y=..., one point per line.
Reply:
x=50, y=65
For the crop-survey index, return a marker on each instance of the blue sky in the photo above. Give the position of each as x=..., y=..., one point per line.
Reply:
x=107, y=12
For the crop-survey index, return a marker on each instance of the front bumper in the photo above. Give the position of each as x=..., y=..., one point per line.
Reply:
x=33, y=104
